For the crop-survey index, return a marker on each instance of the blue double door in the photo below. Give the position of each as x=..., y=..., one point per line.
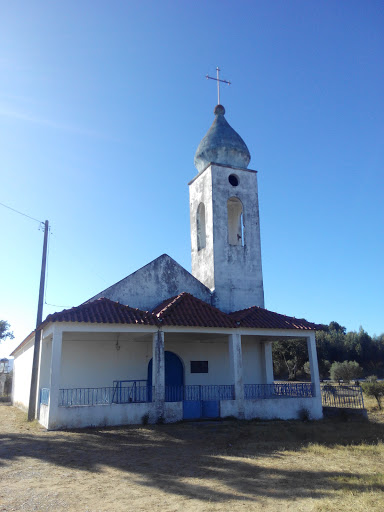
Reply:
x=174, y=390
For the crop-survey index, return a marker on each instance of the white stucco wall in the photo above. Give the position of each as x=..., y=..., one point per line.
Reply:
x=44, y=415
x=161, y=279
x=100, y=415
x=217, y=355
x=253, y=364
x=277, y=408
x=45, y=363
x=110, y=415
x=22, y=371
x=97, y=363
x=234, y=272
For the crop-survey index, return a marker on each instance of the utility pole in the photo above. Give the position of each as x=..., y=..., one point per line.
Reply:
x=39, y=319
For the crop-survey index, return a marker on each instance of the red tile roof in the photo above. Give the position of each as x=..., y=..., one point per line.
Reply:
x=182, y=310
x=103, y=311
x=261, y=318
x=187, y=310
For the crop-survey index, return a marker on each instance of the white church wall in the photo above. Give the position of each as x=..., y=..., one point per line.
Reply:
x=173, y=411
x=217, y=355
x=238, y=273
x=277, y=408
x=45, y=363
x=253, y=364
x=152, y=284
x=100, y=415
x=233, y=271
x=44, y=415
x=109, y=415
x=98, y=363
x=200, y=192
x=22, y=372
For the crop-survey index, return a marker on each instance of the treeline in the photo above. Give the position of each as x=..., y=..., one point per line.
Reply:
x=290, y=358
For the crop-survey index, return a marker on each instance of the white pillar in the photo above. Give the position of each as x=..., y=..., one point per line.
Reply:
x=315, y=377
x=37, y=405
x=266, y=348
x=158, y=372
x=236, y=362
x=54, y=378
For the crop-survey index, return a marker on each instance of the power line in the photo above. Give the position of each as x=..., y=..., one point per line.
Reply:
x=57, y=305
x=21, y=213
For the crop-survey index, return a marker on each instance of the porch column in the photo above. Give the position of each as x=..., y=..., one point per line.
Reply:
x=315, y=377
x=236, y=362
x=158, y=372
x=54, y=376
x=268, y=361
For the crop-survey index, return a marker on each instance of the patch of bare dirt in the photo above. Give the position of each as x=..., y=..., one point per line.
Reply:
x=227, y=466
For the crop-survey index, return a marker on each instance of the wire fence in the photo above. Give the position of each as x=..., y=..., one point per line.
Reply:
x=342, y=396
x=277, y=390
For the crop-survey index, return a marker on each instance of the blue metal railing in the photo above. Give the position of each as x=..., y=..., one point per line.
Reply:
x=125, y=392
x=44, y=396
x=122, y=392
x=130, y=391
x=199, y=392
x=342, y=396
x=86, y=396
x=276, y=390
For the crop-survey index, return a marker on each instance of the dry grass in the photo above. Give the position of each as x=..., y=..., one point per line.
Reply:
x=329, y=465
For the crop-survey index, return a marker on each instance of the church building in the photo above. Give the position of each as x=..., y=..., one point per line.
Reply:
x=163, y=344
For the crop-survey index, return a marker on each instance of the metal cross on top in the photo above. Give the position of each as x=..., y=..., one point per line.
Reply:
x=218, y=83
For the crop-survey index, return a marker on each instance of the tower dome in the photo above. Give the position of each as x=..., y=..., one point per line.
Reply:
x=221, y=145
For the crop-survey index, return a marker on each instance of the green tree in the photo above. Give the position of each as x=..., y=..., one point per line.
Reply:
x=4, y=331
x=289, y=357
x=346, y=371
x=324, y=367
x=374, y=388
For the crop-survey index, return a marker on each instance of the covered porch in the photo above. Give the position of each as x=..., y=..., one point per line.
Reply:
x=110, y=374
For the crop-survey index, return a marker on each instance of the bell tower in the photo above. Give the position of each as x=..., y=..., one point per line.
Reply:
x=224, y=214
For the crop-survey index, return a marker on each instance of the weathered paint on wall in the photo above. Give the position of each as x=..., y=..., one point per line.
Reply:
x=45, y=363
x=161, y=279
x=22, y=371
x=97, y=362
x=277, y=408
x=93, y=361
x=44, y=415
x=232, y=272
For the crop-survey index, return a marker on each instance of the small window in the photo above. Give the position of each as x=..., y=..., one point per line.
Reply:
x=199, y=366
x=233, y=180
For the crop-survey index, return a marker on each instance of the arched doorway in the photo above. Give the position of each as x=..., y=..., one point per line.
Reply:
x=174, y=377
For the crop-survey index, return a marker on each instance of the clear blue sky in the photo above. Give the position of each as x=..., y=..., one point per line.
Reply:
x=102, y=106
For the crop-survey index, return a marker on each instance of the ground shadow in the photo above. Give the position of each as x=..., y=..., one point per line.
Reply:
x=191, y=459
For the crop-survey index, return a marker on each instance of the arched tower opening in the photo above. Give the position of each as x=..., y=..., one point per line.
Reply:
x=200, y=227
x=235, y=221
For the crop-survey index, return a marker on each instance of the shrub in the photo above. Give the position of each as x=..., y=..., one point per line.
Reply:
x=304, y=414
x=374, y=389
x=160, y=420
x=145, y=419
x=346, y=371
